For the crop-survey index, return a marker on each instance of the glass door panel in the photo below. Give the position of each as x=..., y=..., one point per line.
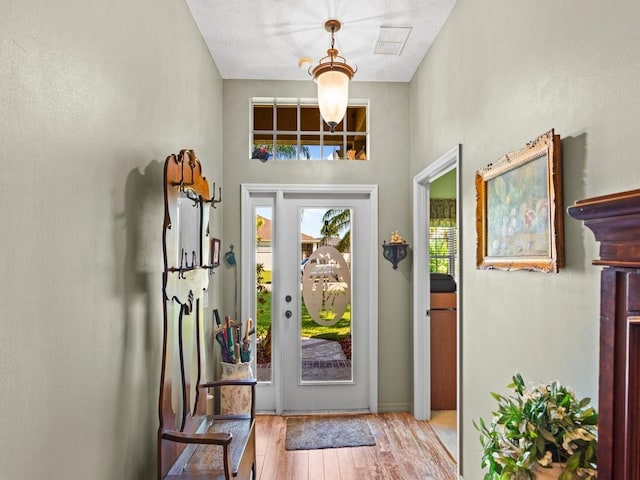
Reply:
x=263, y=312
x=325, y=299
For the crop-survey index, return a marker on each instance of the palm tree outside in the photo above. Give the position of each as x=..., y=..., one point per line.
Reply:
x=337, y=221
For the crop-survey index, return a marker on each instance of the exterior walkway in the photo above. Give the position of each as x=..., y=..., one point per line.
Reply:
x=321, y=360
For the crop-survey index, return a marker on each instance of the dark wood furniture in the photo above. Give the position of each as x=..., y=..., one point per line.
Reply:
x=212, y=447
x=193, y=441
x=615, y=222
x=443, y=351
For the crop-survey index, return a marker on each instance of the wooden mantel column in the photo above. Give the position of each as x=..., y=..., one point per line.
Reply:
x=615, y=222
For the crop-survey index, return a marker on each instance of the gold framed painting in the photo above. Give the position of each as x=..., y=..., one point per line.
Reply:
x=519, y=210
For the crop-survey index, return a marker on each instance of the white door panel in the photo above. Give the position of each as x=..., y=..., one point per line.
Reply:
x=307, y=373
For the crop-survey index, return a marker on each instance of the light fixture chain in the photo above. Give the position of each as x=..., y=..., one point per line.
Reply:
x=333, y=29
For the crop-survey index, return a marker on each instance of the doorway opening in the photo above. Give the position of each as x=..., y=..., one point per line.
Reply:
x=436, y=305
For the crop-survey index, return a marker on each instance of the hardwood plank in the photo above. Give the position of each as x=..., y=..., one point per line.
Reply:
x=361, y=457
x=366, y=463
x=275, y=443
x=330, y=461
x=405, y=449
x=345, y=464
x=390, y=468
x=441, y=465
x=285, y=465
x=316, y=465
x=300, y=468
x=262, y=440
x=259, y=464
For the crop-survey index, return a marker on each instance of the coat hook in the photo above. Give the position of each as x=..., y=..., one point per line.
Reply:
x=213, y=200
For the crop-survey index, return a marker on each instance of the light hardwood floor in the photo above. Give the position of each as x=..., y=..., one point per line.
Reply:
x=405, y=449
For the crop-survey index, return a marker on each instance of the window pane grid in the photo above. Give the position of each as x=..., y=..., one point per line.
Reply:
x=311, y=140
x=443, y=250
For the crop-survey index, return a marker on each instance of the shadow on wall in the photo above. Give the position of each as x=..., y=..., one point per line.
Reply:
x=141, y=290
x=574, y=158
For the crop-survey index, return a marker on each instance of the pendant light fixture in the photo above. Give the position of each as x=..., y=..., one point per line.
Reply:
x=332, y=74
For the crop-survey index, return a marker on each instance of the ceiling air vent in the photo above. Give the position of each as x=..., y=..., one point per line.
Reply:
x=391, y=40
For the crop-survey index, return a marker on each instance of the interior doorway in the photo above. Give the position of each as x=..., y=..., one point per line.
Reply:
x=423, y=318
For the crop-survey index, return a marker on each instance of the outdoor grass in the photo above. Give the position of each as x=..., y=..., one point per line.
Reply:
x=309, y=328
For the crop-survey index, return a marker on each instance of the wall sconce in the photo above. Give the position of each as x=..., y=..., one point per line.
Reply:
x=395, y=250
x=332, y=74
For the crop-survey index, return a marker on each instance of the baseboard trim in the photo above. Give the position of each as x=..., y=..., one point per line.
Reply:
x=394, y=407
x=382, y=408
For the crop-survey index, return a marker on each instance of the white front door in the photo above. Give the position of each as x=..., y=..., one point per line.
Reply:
x=323, y=338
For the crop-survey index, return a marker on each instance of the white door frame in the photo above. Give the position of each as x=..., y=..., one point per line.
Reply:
x=421, y=283
x=247, y=268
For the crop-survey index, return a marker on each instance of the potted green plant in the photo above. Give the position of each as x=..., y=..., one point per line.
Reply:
x=541, y=431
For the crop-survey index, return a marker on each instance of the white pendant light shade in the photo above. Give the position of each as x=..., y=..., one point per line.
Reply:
x=333, y=96
x=332, y=74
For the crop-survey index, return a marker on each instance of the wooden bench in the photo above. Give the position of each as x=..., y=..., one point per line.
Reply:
x=211, y=446
x=193, y=443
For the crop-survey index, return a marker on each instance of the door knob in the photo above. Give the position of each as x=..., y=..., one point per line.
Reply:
x=288, y=314
x=287, y=298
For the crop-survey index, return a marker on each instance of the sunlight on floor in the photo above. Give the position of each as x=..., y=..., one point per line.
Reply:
x=443, y=423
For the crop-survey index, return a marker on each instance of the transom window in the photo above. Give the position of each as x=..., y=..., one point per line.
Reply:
x=292, y=129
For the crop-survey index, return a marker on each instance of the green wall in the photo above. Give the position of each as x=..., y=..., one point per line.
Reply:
x=444, y=186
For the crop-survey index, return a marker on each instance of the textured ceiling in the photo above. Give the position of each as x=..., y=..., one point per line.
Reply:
x=264, y=39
